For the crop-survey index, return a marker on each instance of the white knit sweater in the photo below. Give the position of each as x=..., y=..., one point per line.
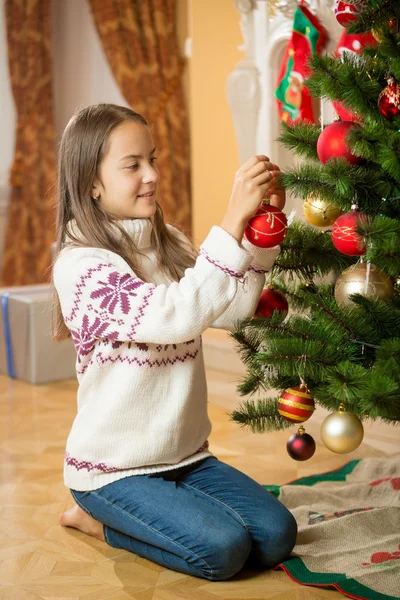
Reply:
x=142, y=398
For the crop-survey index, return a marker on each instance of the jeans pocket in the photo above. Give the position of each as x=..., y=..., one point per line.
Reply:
x=79, y=498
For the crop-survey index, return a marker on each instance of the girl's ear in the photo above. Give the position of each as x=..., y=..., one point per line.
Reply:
x=95, y=191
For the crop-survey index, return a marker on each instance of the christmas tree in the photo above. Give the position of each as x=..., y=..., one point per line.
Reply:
x=339, y=346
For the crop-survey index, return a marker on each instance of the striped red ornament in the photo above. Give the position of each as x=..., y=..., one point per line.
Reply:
x=296, y=404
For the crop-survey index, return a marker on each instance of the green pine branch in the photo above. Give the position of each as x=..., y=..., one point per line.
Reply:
x=302, y=137
x=350, y=354
x=306, y=252
x=345, y=81
x=260, y=416
x=378, y=14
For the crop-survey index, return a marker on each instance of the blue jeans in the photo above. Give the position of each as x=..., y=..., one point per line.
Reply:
x=207, y=520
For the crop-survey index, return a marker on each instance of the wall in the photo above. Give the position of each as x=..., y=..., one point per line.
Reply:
x=215, y=32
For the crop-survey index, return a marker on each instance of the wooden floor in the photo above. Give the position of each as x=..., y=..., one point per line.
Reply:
x=41, y=560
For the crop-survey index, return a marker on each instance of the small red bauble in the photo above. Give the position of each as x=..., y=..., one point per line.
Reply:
x=345, y=12
x=271, y=300
x=389, y=100
x=267, y=228
x=300, y=446
x=344, y=237
x=332, y=143
x=296, y=404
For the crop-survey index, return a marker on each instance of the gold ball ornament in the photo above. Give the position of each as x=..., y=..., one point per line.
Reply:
x=362, y=278
x=320, y=212
x=342, y=432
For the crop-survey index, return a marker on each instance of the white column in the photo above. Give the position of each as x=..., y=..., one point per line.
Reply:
x=243, y=88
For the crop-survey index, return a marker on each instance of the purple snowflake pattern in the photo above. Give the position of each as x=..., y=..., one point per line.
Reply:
x=117, y=290
x=85, y=337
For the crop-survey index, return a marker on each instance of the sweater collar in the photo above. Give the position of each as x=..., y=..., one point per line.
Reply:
x=137, y=229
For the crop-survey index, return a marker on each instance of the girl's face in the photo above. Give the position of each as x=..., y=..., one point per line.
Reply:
x=128, y=176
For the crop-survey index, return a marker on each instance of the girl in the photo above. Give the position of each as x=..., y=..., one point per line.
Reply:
x=136, y=298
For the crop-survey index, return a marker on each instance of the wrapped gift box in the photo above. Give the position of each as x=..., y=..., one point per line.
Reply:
x=27, y=350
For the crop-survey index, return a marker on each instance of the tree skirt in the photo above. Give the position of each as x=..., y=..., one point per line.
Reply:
x=349, y=528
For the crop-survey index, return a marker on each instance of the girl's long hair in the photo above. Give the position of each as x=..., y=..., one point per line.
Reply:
x=83, y=145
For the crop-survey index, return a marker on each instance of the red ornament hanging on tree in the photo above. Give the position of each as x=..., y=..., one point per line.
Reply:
x=271, y=300
x=300, y=446
x=296, y=404
x=345, y=12
x=332, y=143
x=389, y=100
x=344, y=236
x=267, y=228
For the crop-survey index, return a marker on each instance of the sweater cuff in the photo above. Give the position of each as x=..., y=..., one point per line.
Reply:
x=262, y=258
x=223, y=251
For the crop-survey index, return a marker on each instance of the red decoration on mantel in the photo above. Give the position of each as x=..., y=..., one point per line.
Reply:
x=345, y=12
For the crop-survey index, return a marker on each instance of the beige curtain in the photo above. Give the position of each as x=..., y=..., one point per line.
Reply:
x=140, y=41
x=30, y=232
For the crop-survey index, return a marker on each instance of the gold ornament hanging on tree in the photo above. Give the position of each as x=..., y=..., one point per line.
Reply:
x=362, y=278
x=342, y=431
x=320, y=212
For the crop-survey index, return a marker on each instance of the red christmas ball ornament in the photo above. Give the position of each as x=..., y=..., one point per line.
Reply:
x=332, y=143
x=301, y=445
x=345, y=12
x=344, y=236
x=267, y=228
x=271, y=300
x=389, y=100
x=296, y=404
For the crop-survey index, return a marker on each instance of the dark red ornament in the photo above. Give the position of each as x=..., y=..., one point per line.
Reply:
x=344, y=236
x=389, y=100
x=267, y=228
x=271, y=300
x=301, y=445
x=345, y=12
x=332, y=143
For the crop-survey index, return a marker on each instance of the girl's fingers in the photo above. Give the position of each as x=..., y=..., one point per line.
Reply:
x=275, y=167
x=260, y=167
x=254, y=160
x=277, y=199
x=264, y=178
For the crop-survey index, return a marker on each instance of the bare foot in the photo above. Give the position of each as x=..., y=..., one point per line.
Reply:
x=76, y=517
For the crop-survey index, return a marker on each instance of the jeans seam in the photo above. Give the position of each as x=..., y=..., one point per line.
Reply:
x=81, y=505
x=216, y=500
x=155, y=531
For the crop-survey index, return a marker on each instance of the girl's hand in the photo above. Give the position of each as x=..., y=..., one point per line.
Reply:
x=276, y=194
x=252, y=182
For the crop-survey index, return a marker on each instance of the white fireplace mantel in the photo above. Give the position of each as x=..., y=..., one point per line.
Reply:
x=250, y=87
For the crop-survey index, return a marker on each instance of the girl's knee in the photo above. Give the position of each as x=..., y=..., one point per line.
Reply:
x=280, y=539
x=227, y=555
